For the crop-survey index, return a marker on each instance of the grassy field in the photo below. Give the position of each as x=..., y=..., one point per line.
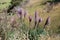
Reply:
x=31, y=7
x=54, y=14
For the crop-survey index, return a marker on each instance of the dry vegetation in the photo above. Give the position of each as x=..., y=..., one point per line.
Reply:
x=17, y=27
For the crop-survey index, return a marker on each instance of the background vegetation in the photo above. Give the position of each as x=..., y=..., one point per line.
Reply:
x=12, y=27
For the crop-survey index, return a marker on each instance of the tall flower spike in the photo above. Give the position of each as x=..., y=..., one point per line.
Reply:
x=19, y=13
x=35, y=14
x=36, y=17
x=47, y=21
x=30, y=18
x=40, y=20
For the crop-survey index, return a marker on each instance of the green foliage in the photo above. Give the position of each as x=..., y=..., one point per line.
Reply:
x=16, y=2
x=35, y=33
x=4, y=4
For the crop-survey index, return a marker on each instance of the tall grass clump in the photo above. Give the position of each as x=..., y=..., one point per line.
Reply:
x=19, y=29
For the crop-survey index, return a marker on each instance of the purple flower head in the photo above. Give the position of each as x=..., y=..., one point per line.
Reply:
x=40, y=20
x=47, y=21
x=30, y=18
x=19, y=13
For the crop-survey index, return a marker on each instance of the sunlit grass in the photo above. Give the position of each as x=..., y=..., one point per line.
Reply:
x=53, y=27
x=5, y=5
x=54, y=15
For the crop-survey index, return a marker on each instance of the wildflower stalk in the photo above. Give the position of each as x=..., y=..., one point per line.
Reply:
x=35, y=19
x=24, y=16
x=47, y=22
x=39, y=20
x=30, y=19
